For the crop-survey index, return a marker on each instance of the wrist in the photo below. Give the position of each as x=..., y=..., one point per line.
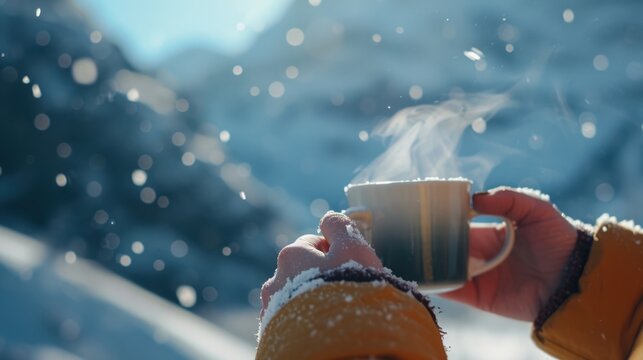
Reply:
x=568, y=284
x=360, y=274
x=346, y=319
x=350, y=272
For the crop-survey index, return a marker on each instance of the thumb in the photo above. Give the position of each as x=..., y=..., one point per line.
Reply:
x=518, y=205
x=340, y=231
x=346, y=242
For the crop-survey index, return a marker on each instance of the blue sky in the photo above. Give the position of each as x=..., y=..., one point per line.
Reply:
x=151, y=30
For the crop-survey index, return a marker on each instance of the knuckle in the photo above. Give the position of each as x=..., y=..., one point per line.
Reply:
x=331, y=220
x=265, y=293
x=501, y=190
x=287, y=253
x=266, y=290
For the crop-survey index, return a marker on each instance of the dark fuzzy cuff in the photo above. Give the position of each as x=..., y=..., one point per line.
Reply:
x=369, y=274
x=569, y=281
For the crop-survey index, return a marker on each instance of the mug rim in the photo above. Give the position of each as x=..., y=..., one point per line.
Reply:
x=458, y=180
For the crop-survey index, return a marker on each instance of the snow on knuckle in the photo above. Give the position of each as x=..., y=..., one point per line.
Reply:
x=333, y=220
x=266, y=291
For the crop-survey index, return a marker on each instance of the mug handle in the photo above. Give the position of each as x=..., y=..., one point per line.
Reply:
x=477, y=266
x=363, y=218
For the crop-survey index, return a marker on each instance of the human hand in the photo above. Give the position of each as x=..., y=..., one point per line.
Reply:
x=522, y=284
x=339, y=243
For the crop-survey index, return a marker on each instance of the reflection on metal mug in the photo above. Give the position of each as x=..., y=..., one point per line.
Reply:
x=420, y=230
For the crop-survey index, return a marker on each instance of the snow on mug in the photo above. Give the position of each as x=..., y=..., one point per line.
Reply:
x=420, y=230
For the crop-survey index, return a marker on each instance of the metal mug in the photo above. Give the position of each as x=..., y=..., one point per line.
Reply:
x=420, y=230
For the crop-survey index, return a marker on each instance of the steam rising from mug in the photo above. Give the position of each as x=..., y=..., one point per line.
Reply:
x=424, y=140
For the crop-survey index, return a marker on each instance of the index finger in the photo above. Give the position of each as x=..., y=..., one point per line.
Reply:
x=519, y=205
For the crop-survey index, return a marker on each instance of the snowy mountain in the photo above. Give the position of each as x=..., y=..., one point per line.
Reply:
x=110, y=164
x=323, y=74
x=184, y=69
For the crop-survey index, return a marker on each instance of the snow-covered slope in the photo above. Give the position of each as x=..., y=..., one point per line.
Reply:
x=59, y=307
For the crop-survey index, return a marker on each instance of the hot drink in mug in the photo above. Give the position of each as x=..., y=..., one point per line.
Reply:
x=420, y=229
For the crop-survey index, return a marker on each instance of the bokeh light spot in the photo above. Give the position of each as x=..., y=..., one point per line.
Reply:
x=61, y=180
x=111, y=241
x=147, y=195
x=138, y=247
x=224, y=136
x=182, y=105
x=479, y=125
x=508, y=32
x=604, y=192
x=337, y=100
x=186, y=296
x=35, y=90
x=363, y=135
x=95, y=36
x=145, y=162
x=139, y=177
x=416, y=92
x=41, y=122
x=588, y=129
x=276, y=89
x=125, y=260
x=133, y=95
x=94, y=189
x=163, y=202
x=209, y=294
x=474, y=54
x=63, y=150
x=179, y=248
x=43, y=38
x=158, y=265
x=601, y=62
x=101, y=217
x=188, y=159
x=254, y=298
x=70, y=257
x=178, y=139
x=84, y=71
x=64, y=61
x=292, y=72
x=295, y=37
x=319, y=207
